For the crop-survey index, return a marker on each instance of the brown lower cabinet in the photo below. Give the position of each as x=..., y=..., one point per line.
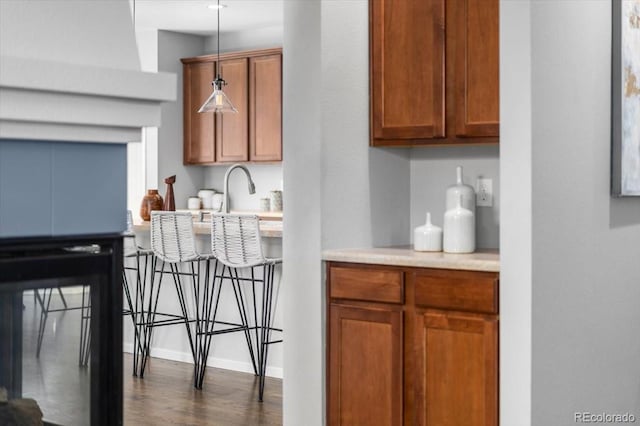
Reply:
x=412, y=346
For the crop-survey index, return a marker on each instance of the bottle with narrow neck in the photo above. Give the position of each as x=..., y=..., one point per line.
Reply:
x=427, y=237
x=459, y=229
x=460, y=188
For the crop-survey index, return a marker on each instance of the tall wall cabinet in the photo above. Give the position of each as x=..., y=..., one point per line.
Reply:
x=411, y=346
x=434, y=72
x=254, y=86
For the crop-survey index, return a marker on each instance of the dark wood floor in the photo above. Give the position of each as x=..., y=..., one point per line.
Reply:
x=164, y=397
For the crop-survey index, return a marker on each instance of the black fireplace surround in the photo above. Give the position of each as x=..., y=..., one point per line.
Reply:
x=41, y=262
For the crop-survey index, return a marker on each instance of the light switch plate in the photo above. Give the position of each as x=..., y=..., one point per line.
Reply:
x=484, y=192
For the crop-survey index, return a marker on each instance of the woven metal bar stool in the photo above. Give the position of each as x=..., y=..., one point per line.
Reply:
x=237, y=245
x=173, y=244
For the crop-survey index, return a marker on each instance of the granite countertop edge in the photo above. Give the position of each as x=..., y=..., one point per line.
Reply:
x=481, y=260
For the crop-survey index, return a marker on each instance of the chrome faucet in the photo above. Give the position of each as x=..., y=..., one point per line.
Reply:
x=252, y=187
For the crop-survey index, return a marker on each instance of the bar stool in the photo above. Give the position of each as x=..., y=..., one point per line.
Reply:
x=237, y=245
x=173, y=243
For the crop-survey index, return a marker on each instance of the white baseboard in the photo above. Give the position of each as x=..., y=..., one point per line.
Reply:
x=186, y=357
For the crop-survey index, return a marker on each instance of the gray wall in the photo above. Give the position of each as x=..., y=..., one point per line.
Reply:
x=267, y=177
x=302, y=305
x=433, y=169
x=586, y=245
x=338, y=191
x=515, y=213
x=365, y=191
x=171, y=47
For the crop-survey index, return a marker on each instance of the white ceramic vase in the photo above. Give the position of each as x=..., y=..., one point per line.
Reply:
x=427, y=237
x=467, y=192
x=459, y=229
x=206, y=195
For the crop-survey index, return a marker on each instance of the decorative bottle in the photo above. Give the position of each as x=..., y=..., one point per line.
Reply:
x=467, y=192
x=459, y=229
x=427, y=237
x=169, y=200
x=151, y=201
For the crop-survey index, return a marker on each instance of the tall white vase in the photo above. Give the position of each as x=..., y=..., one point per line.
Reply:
x=459, y=229
x=460, y=188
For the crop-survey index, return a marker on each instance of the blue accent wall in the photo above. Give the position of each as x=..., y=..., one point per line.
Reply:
x=62, y=188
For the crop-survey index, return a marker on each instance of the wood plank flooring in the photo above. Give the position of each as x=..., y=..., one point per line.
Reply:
x=164, y=397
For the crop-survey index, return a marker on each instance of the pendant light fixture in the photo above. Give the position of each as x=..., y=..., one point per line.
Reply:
x=218, y=101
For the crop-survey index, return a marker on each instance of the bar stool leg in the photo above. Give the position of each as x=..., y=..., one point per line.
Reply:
x=183, y=307
x=210, y=303
x=244, y=319
x=147, y=319
x=45, y=303
x=267, y=324
x=139, y=349
x=85, y=327
x=132, y=315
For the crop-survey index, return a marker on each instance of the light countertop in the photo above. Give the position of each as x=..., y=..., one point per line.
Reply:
x=261, y=215
x=268, y=229
x=481, y=260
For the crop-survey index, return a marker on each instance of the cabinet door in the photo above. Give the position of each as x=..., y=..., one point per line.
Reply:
x=477, y=80
x=265, y=108
x=365, y=366
x=232, y=130
x=407, y=69
x=457, y=369
x=198, y=128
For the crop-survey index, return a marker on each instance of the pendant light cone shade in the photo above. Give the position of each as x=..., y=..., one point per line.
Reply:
x=218, y=101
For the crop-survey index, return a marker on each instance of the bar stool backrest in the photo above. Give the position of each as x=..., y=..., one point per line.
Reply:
x=235, y=240
x=172, y=238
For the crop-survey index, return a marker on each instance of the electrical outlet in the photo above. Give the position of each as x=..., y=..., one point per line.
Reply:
x=484, y=192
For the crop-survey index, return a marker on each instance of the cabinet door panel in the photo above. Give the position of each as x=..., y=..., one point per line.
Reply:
x=232, y=137
x=477, y=80
x=365, y=366
x=407, y=69
x=198, y=128
x=265, y=122
x=456, y=369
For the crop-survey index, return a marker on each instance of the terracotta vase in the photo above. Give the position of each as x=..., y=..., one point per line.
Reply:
x=169, y=200
x=151, y=201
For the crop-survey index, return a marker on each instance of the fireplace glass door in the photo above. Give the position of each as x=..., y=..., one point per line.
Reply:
x=61, y=330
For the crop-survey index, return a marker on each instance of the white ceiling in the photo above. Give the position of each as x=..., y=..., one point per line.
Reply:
x=194, y=17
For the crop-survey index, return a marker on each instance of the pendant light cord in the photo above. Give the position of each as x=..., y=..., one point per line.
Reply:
x=218, y=40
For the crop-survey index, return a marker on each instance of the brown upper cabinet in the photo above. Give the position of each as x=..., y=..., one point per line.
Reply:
x=198, y=128
x=434, y=72
x=254, y=87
